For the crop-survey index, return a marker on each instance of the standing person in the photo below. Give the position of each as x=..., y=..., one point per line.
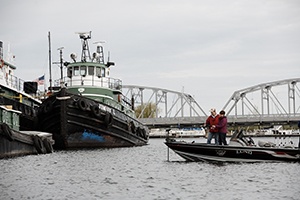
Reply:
x=222, y=127
x=211, y=122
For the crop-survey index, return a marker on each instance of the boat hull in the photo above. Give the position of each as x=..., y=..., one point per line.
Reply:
x=79, y=122
x=219, y=153
x=16, y=143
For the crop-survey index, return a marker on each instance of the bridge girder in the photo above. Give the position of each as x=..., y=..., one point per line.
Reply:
x=266, y=107
x=180, y=105
x=284, y=106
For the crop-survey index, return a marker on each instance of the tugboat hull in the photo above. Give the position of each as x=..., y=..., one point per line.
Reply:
x=79, y=122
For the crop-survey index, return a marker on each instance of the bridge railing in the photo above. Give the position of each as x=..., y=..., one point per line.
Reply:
x=239, y=120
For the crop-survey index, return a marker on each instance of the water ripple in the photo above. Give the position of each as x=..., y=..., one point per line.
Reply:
x=142, y=173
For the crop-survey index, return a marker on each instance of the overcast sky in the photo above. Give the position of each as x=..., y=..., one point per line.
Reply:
x=209, y=48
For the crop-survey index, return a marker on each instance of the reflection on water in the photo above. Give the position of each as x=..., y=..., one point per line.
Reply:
x=142, y=173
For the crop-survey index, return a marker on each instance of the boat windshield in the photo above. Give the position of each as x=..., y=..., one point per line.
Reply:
x=237, y=135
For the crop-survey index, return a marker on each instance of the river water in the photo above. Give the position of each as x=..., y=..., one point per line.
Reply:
x=142, y=173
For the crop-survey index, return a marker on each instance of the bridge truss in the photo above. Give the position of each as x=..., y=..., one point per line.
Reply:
x=266, y=103
x=279, y=98
x=168, y=103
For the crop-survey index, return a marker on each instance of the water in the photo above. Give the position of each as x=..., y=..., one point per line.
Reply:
x=142, y=173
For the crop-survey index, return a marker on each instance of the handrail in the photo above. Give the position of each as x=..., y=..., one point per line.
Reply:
x=106, y=82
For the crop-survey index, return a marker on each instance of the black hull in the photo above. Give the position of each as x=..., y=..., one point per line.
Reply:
x=77, y=122
x=218, y=153
x=15, y=143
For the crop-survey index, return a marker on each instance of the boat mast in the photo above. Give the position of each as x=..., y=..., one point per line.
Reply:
x=84, y=36
x=61, y=64
x=50, y=79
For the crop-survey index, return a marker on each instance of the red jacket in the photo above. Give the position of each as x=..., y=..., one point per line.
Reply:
x=222, y=125
x=212, y=121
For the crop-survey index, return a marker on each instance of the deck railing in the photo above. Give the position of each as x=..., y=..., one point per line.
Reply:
x=12, y=82
x=105, y=82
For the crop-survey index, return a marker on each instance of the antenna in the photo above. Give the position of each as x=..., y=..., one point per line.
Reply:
x=84, y=36
x=100, y=51
x=50, y=80
x=61, y=62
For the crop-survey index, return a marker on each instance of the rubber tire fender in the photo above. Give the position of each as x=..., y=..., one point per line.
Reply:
x=82, y=104
x=139, y=132
x=143, y=133
x=38, y=144
x=48, y=146
x=47, y=107
x=7, y=132
x=108, y=119
x=132, y=127
x=96, y=110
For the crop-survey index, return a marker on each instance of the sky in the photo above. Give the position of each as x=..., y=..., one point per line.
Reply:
x=208, y=49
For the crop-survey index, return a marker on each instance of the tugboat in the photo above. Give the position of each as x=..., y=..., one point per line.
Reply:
x=88, y=109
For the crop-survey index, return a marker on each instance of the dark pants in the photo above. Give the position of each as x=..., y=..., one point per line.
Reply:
x=222, y=139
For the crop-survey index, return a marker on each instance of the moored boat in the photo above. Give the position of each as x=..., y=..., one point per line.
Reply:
x=88, y=110
x=14, y=142
x=178, y=133
x=277, y=130
x=240, y=149
x=18, y=94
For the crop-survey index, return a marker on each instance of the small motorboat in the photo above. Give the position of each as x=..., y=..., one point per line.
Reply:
x=240, y=149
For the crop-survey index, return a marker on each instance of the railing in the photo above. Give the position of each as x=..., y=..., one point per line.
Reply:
x=12, y=82
x=105, y=82
x=240, y=119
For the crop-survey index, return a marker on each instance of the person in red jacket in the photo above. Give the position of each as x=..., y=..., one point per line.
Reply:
x=222, y=127
x=211, y=122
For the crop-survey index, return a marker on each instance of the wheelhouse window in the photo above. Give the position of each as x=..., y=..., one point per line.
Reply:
x=91, y=70
x=76, y=71
x=100, y=72
x=69, y=72
x=83, y=70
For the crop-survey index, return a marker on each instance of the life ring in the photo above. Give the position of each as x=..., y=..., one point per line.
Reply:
x=108, y=119
x=47, y=145
x=96, y=110
x=7, y=131
x=38, y=144
x=119, y=98
x=82, y=104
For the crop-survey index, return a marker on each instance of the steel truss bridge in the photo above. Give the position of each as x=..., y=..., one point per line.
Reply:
x=270, y=103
